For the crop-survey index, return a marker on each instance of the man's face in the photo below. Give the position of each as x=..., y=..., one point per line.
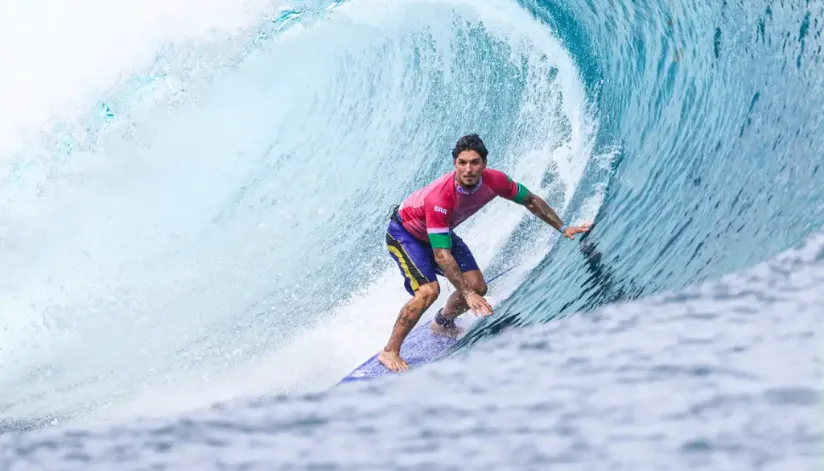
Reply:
x=468, y=168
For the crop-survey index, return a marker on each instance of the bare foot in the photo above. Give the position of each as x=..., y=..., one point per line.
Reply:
x=451, y=331
x=392, y=360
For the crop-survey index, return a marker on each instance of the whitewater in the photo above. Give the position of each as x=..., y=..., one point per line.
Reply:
x=193, y=197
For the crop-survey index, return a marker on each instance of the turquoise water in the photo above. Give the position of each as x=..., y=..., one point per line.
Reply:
x=203, y=245
x=716, y=111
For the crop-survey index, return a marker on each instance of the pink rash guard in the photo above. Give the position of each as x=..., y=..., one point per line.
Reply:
x=431, y=212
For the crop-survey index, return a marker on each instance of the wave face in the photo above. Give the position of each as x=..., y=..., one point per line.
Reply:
x=714, y=111
x=209, y=227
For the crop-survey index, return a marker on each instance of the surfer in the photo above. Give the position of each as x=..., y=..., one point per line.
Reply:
x=421, y=241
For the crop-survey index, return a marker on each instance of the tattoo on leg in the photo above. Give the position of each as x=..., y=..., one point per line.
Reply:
x=407, y=317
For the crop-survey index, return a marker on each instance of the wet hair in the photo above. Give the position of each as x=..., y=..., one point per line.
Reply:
x=470, y=142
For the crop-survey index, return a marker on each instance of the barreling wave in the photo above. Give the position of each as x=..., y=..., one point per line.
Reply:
x=222, y=209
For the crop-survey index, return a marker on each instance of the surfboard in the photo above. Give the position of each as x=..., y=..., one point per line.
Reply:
x=421, y=346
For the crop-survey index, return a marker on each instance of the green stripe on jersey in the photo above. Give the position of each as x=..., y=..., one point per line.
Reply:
x=440, y=241
x=521, y=195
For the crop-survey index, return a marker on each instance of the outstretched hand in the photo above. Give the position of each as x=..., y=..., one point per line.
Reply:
x=570, y=231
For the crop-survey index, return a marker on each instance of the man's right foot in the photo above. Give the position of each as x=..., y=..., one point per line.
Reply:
x=392, y=360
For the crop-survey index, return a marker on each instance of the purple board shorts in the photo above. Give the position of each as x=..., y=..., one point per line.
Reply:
x=416, y=259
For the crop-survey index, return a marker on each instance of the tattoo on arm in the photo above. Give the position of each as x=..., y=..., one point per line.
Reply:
x=540, y=208
x=451, y=271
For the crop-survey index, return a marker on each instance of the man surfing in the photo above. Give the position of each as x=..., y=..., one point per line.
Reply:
x=421, y=241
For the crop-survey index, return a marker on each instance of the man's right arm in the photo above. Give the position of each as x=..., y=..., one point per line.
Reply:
x=474, y=301
x=447, y=262
x=440, y=238
x=436, y=211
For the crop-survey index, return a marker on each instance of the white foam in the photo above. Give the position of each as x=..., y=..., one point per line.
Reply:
x=60, y=56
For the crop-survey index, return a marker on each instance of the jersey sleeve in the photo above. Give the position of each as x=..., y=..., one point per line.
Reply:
x=504, y=186
x=437, y=223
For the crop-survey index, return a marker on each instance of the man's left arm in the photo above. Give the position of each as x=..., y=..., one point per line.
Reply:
x=537, y=206
x=518, y=193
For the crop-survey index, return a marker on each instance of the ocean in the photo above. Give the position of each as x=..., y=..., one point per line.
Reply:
x=194, y=195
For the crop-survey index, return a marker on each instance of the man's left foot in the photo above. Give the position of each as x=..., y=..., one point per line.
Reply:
x=450, y=331
x=445, y=326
